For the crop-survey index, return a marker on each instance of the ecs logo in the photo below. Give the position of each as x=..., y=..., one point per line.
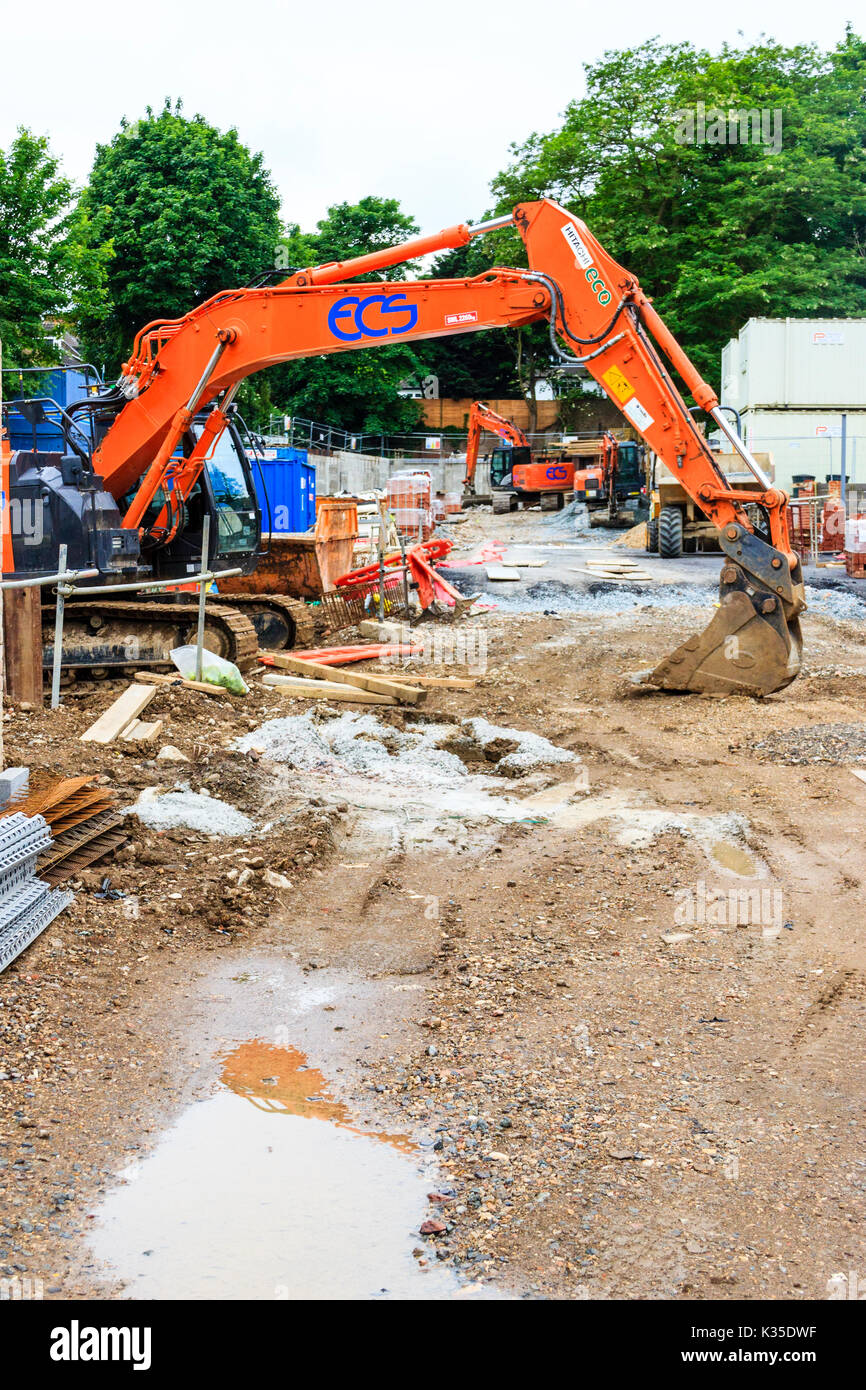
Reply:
x=556, y=472
x=352, y=318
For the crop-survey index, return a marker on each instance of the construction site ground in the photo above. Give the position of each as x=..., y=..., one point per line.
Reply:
x=513, y=986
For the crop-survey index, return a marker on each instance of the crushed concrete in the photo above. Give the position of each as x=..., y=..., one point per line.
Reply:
x=816, y=743
x=573, y=520
x=182, y=808
x=532, y=751
x=597, y=597
x=360, y=744
x=835, y=603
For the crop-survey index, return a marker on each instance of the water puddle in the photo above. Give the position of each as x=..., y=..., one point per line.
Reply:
x=735, y=859
x=269, y=1189
x=637, y=823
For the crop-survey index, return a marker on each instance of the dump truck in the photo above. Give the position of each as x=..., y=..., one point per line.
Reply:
x=676, y=524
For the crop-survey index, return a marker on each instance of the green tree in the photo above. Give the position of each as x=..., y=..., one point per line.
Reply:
x=45, y=261
x=717, y=232
x=354, y=229
x=477, y=365
x=189, y=210
x=355, y=390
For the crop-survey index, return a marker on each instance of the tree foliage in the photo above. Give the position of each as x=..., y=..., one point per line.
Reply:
x=189, y=211
x=45, y=261
x=717, y=232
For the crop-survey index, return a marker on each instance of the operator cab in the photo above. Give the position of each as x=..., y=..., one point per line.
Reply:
x=629, y=470
x=225, y=491
x=504, y=460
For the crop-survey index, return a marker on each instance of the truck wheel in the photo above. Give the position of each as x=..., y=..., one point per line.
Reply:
x=652, y=536
x=671, y=533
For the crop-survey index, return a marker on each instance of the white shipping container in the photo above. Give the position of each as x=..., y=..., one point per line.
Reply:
x=797, y=364
x=808, y=442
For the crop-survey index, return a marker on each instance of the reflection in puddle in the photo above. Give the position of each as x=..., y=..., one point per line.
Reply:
x=245, y=1196
x=278, y=1079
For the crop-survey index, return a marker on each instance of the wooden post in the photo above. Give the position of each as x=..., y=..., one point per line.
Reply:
x=22, y=622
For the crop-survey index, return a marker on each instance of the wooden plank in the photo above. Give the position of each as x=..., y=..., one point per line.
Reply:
x=326, y=690
x=858, y=772
x=142, y=732
x=155, y=678
x=447, y=682
x=361, y=681
x=500, y=572
x=22, y=619
x=126, y=708
x=611, y=569
x=605, y=578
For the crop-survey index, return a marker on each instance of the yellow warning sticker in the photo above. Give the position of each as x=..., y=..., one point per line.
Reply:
x=619, y=385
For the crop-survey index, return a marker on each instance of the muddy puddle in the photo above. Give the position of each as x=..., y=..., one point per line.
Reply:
x=637, y=822
x=269, y=1190
x=267, y=1185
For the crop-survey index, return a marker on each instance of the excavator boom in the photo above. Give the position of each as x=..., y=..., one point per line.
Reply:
x=599, y=319
x=482, y=418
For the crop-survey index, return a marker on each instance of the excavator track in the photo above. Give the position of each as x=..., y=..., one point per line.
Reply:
x=107, y=635
x=280, y=622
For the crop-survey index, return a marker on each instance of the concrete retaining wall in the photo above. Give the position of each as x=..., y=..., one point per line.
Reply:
x=351, y=472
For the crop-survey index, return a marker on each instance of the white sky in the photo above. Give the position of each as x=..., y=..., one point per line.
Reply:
x=350, y=97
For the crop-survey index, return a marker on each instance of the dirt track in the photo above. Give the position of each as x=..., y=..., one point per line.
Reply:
x=613, y=1115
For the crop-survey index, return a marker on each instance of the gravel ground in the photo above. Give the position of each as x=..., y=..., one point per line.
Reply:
x=817, y=743
x=629, y=1095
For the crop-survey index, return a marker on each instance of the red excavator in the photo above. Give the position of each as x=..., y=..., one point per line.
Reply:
x=126, y=494
x=517, y=477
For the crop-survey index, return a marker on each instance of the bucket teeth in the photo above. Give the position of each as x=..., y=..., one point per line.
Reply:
x=752, y=645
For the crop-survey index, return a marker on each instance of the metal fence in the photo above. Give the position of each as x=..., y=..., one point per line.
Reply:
x=432, y=445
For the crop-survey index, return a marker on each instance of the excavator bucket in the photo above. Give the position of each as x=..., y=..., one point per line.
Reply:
x=752, y=646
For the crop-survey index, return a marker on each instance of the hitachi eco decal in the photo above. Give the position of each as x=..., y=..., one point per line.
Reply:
x=583, y=259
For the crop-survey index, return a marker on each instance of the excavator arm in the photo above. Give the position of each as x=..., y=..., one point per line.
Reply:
x=482, y=418
x=599, y=320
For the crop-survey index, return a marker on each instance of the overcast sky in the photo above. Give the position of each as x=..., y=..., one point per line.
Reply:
x=349, y=97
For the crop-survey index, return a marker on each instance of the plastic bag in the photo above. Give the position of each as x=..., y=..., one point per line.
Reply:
x=215, y=670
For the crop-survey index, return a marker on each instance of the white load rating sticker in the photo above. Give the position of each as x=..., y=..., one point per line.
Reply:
x=467, y=316
x=640, y=418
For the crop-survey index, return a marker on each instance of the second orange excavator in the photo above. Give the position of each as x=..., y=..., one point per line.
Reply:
x=517, y=476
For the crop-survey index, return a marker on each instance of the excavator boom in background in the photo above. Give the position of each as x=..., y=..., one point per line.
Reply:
x=151, y=440
x=482, y=418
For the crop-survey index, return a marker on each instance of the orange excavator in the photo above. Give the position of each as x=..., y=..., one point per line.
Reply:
x=516, y=477
x=155, y=434
x=614, y=487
